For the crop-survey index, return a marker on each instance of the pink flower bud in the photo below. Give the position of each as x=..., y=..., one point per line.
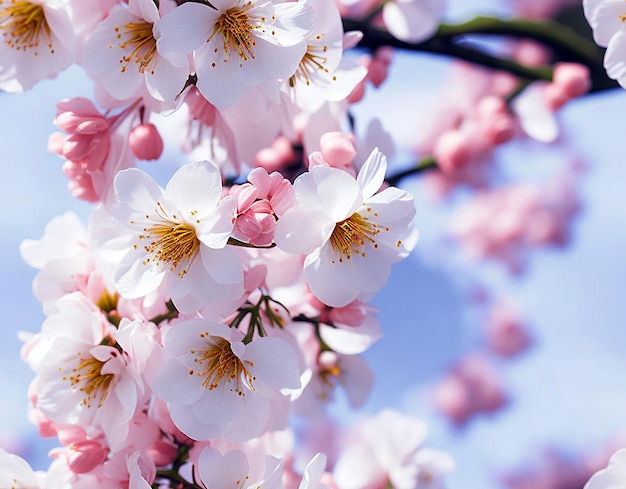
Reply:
x=453, y=151
x=379, y=67
x=497, y=124
x=79, y=115
x=274, y=158
x=146, y=142
x=338, y=149
x=86, y=455
x=572, y=78
x=554, y=97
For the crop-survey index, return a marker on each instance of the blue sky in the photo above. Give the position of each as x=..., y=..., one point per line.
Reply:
x=567, y=391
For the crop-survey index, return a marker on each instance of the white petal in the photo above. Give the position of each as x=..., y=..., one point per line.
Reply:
x=329, y=189
x=301, y=230
x=223, y=265
x=174, y=384
x=137, y=189
x=195, y=187
x=321, y=275
x=410, y=21
x=275, y=362
x=185, y=29
x=219, y=471
x=134, y=279
x=615, y=58
x=372, y=173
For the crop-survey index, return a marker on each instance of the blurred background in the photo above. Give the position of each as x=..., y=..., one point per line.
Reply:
x=543, y=412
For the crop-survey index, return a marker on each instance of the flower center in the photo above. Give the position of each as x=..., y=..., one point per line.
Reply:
x=351, y=235
x=86, y=377
x=312, y=60
x=218, y=363
x=141, y=43
x=234, y=27
x=172, y=241
x=23, y=24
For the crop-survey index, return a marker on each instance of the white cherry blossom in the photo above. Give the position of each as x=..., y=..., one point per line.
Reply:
x=37, y=41
x=215, y=384
x=122, y=54
x=237, y=44
x=350, y=233
x=83, y=378
x=323, y=73
x=179, y=237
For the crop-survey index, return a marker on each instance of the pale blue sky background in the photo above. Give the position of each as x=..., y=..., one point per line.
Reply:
x=568, y=390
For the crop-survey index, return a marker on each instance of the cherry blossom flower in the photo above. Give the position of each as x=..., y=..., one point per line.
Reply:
x=506, y=223
x=179, y=237
x=237, y=43
x=83, y=378
x=350, y=234
x=37, y=42
x=122, y=54
x=215, y=383
x=470, y=388
x=323, y=73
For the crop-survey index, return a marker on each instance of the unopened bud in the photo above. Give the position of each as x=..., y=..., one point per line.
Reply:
x=146, y=142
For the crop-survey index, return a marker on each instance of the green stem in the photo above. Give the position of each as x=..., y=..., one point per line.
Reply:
x=564, y=41
x=428, y=163
x=374, y=38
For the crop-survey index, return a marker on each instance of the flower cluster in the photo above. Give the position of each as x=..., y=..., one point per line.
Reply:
x=168, y=329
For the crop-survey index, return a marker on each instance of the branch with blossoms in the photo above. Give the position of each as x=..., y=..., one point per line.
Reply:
x=187, y=323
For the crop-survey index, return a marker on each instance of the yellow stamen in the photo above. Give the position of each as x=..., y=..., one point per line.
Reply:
x=86, y=377
x=138, y=36
x=234, y=26
x=218, y=363
x=350, y=235
x=312, y=60
x=172, y=241
x=23, y=24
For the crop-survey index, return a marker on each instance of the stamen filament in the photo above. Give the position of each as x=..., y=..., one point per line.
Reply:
x=24, y=24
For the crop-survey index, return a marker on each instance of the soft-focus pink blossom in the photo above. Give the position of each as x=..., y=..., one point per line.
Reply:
x=470, y=388
x=388, y=450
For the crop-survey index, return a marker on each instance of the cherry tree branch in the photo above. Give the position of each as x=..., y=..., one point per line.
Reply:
x=452, y=40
